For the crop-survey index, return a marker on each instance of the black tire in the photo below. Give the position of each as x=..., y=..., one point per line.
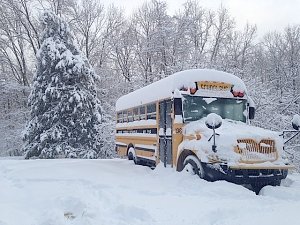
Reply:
x=130, y=156
x=131, y=153
x=257, y=187
x=193, y=165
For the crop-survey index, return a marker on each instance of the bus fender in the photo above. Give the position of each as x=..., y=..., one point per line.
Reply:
x=183, y=154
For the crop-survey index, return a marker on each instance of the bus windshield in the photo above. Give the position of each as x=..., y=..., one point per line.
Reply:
x=197, y=107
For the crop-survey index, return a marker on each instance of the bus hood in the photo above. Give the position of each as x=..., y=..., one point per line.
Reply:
x=235, y=141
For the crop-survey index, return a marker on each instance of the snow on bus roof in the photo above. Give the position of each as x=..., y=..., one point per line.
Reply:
x=163, y=88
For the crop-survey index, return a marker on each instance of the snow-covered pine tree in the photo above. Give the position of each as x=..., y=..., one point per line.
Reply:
x=65, y=111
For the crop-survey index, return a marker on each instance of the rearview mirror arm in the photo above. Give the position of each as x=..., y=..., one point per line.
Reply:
x=214, y=147
x=292, y=137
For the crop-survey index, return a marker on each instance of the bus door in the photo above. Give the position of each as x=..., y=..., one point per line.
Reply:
x=165, y=132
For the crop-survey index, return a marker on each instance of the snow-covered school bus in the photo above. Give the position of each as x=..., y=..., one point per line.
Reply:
x=199, y=121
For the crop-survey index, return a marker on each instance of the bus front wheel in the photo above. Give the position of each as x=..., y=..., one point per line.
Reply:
x=193, y=166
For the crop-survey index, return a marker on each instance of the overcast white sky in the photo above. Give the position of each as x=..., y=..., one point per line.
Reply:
x=268, y=15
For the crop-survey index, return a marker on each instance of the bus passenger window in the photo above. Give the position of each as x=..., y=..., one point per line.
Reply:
x=130, y=116
x=125, y=117
x=136, y=114
x=120, y=117
x=142, y=113
x=151, y=111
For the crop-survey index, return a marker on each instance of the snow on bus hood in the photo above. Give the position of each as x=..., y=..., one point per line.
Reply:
x=229, y=133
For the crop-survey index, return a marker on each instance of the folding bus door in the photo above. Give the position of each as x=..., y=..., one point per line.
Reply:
x=165, y=132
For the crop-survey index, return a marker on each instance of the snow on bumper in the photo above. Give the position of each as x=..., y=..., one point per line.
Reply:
x=267, y=166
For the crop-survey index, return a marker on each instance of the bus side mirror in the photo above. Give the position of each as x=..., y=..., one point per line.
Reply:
x=213, y=121
x=296, y=122
x=251, y=112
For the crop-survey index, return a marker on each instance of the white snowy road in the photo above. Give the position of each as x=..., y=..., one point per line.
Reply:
x=115, y=192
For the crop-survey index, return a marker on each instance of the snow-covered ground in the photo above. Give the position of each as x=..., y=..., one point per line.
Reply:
x=116, y=192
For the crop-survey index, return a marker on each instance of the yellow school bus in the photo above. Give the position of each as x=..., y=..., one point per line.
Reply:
x=199, y=121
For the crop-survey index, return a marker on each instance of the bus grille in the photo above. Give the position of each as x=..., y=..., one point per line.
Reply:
x=252, y=152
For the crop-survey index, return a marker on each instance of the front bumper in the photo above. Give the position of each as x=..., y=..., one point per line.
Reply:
x=244, y=174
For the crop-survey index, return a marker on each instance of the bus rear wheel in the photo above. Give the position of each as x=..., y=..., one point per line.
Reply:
x=131, y=153
x=132, y=156
x=193, y=166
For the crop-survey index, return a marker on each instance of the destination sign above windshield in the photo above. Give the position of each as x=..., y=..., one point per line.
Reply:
x=213, y=85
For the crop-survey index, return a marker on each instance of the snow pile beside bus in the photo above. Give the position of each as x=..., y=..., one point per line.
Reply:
x=226, y=140
x=116, y=192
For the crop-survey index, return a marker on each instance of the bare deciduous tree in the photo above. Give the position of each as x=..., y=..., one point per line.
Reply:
x=13, y=43
x=223, y=25
x=87, y=20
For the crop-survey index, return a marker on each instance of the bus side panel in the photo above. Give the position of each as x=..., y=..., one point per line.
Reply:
x=144, y=153
x=121, y=151
x=177, y=138
x=144, y=141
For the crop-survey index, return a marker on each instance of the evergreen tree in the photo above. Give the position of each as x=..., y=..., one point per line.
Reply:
x=65, y=116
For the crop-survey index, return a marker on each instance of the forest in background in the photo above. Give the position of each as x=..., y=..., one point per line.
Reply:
x=129, y=52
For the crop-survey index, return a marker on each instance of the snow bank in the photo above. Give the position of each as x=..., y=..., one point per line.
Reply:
x=116, y=192
x=164, y=88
